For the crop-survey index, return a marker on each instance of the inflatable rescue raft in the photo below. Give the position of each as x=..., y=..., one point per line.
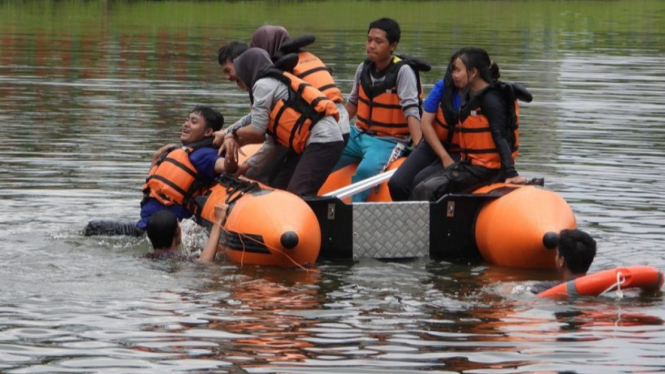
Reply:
x=508, y=225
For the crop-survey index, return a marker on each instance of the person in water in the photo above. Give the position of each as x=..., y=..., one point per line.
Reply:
x=488, y=133
x=386, y=98
x=293, y=113
x=177, y=174
x=165, y=235
x=573, y=257
x=441, y=146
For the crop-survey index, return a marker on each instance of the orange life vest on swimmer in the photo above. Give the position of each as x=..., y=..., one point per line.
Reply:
x=379, y=108
x=476, y=142
x=446, y=119
x=173, y=179
x=310, y=68
x=292, y=120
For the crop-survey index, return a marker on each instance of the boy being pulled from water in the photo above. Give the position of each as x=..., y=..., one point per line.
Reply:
x=573, y=258
x=178, y=173
x=165, y=235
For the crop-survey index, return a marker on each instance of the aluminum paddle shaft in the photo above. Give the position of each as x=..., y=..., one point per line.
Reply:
x=361, y=186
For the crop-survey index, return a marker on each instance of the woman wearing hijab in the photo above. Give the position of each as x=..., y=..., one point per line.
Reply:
x=276, y=41
x=294, y=114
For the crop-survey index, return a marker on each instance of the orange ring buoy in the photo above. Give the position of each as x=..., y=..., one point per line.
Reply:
x=646, y=278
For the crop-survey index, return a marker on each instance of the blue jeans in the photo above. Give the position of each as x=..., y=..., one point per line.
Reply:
x=372, y=153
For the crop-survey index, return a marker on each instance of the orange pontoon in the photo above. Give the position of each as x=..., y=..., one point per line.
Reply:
x=264, y=226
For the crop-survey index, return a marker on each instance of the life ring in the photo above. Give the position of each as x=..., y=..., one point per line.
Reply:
x=646, y=278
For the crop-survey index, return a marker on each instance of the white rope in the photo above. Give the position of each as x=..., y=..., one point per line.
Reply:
x=620, y=280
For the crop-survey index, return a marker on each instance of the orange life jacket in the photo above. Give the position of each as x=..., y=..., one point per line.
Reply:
x=173, y=179
x=312, y=70
x=444, y=122
x=476, y=142
x=379, y=108
x=292, y=120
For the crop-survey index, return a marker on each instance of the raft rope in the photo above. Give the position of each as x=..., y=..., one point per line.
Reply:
x=235, y=189
x=620, y=280
x=240, y=235
x=242, y=258
x=276, y=250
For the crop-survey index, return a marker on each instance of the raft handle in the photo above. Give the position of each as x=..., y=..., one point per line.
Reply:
x=450, y=209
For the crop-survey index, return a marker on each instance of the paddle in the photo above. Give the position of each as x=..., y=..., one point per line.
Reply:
x=363, y=185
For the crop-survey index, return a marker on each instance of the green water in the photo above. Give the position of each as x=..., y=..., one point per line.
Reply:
x=89, y=89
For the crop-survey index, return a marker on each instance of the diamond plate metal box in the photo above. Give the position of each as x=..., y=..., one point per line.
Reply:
x=391, y=230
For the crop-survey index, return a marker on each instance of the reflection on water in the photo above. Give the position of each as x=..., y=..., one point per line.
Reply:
x=88, y=90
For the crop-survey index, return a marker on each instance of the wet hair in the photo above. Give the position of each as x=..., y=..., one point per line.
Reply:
x=390, y=26
x=479, y=59
x=230, y=51
x=214, y=119
x=578, y=249
x=162, y=227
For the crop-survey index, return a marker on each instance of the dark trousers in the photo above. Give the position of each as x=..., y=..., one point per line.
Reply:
x=420, y=164
x=304, y=174
x=270, y=169
x=459, y=177
x=111, y=228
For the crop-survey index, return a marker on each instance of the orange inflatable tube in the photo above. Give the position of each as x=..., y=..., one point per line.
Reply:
x=646, y=278
x=264, y=226
x=512, y=230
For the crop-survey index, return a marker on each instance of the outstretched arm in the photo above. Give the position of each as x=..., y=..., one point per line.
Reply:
x=208, y=254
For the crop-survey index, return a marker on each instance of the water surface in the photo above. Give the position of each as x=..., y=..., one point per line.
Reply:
x=88, y=90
